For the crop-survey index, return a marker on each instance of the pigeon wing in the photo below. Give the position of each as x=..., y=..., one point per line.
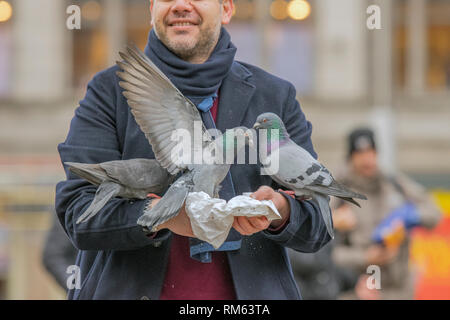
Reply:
x=170, y=204
x=158, y=107
x=297, y=169
x=137, y=173
x=338, y=190
x=317, y=178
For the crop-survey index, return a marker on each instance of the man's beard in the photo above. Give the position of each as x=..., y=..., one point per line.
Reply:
x=187, y=50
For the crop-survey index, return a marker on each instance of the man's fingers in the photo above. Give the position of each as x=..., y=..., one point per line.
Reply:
x=255, y=223
x=249, y=226
x=245, y=226
x=263, y=193
x=239, y=228
x=259, y=223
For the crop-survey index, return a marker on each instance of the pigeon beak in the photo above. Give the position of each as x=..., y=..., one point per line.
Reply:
x=256, y=125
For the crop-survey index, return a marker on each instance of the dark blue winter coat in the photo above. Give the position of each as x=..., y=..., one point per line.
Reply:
x=117, y=260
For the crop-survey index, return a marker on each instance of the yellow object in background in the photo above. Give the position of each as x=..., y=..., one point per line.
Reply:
x=5, y=11
x=299, y=9
x=430, y=254
x=442, y=198
x=278, y=9
x=395, y=236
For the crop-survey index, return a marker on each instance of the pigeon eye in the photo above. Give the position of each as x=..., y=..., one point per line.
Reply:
x=265, y=120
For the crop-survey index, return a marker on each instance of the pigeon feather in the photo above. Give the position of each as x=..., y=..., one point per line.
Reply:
x=157, y=105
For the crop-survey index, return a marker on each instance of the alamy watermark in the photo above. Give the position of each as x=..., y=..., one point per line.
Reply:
x=374, y=280
x=374, y=20
x=74, y=278
x=73, y=22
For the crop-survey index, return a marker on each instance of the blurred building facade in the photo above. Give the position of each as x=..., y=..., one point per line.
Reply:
x=395, y=79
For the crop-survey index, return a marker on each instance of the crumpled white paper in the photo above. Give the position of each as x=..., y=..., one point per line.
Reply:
x=212, y=218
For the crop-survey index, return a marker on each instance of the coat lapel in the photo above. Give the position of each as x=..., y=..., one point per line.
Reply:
x=235, y=94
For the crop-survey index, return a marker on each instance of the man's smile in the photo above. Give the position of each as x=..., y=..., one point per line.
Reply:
x=182, y=24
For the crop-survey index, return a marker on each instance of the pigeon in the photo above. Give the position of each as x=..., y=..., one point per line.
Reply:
x=197, y=178
x=299, y=171
x=160, y=109
x=131, y=179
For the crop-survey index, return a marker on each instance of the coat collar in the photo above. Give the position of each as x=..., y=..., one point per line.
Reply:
x=235, y=95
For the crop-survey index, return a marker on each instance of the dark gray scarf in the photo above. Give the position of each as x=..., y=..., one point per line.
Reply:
x=196, y=81
x=200, y=83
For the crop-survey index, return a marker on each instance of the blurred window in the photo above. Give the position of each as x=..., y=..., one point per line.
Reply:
x=6, y=17
x=137, y=21
x=287, y=53
x=400, y=37
x=438, y=44
x=292, y=54
x=89, y=43
x=436, y=74
x=244, y=11
x=288, y=48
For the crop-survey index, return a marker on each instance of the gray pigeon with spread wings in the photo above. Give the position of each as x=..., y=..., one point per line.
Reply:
x=160, y=110
x=299, y=171
x=132, y=179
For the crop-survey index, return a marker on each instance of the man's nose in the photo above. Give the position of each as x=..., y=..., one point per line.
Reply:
x=182, y=6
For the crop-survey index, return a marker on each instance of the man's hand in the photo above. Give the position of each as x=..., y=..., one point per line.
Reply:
x=247, y=226
x=380, y=255
x=180, y=224
x=344, y=219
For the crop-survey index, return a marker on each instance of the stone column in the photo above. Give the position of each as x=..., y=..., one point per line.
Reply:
x=41, y=55
x=417, y=50
x=263, y=22
x=340, y=36
x=115, y=28
x=382, y=116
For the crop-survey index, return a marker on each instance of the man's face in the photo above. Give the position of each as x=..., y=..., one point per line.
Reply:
x=365, y=162
x=190, y=28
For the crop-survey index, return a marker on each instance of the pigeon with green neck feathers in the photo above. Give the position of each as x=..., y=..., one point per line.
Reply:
x=205, y=177
x=299, y=171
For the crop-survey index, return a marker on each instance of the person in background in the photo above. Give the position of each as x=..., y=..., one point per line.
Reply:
x=58, y=253
x=318, y=277
x=377, y=233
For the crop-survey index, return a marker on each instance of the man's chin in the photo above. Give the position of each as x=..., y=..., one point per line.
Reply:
x=181, y=46
x=184, y=43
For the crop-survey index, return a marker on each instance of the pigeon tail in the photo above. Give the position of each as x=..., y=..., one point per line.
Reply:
x=336, y=189
x=90, y=172
x=351, y=200
x=104, y=193
x=323, y=202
